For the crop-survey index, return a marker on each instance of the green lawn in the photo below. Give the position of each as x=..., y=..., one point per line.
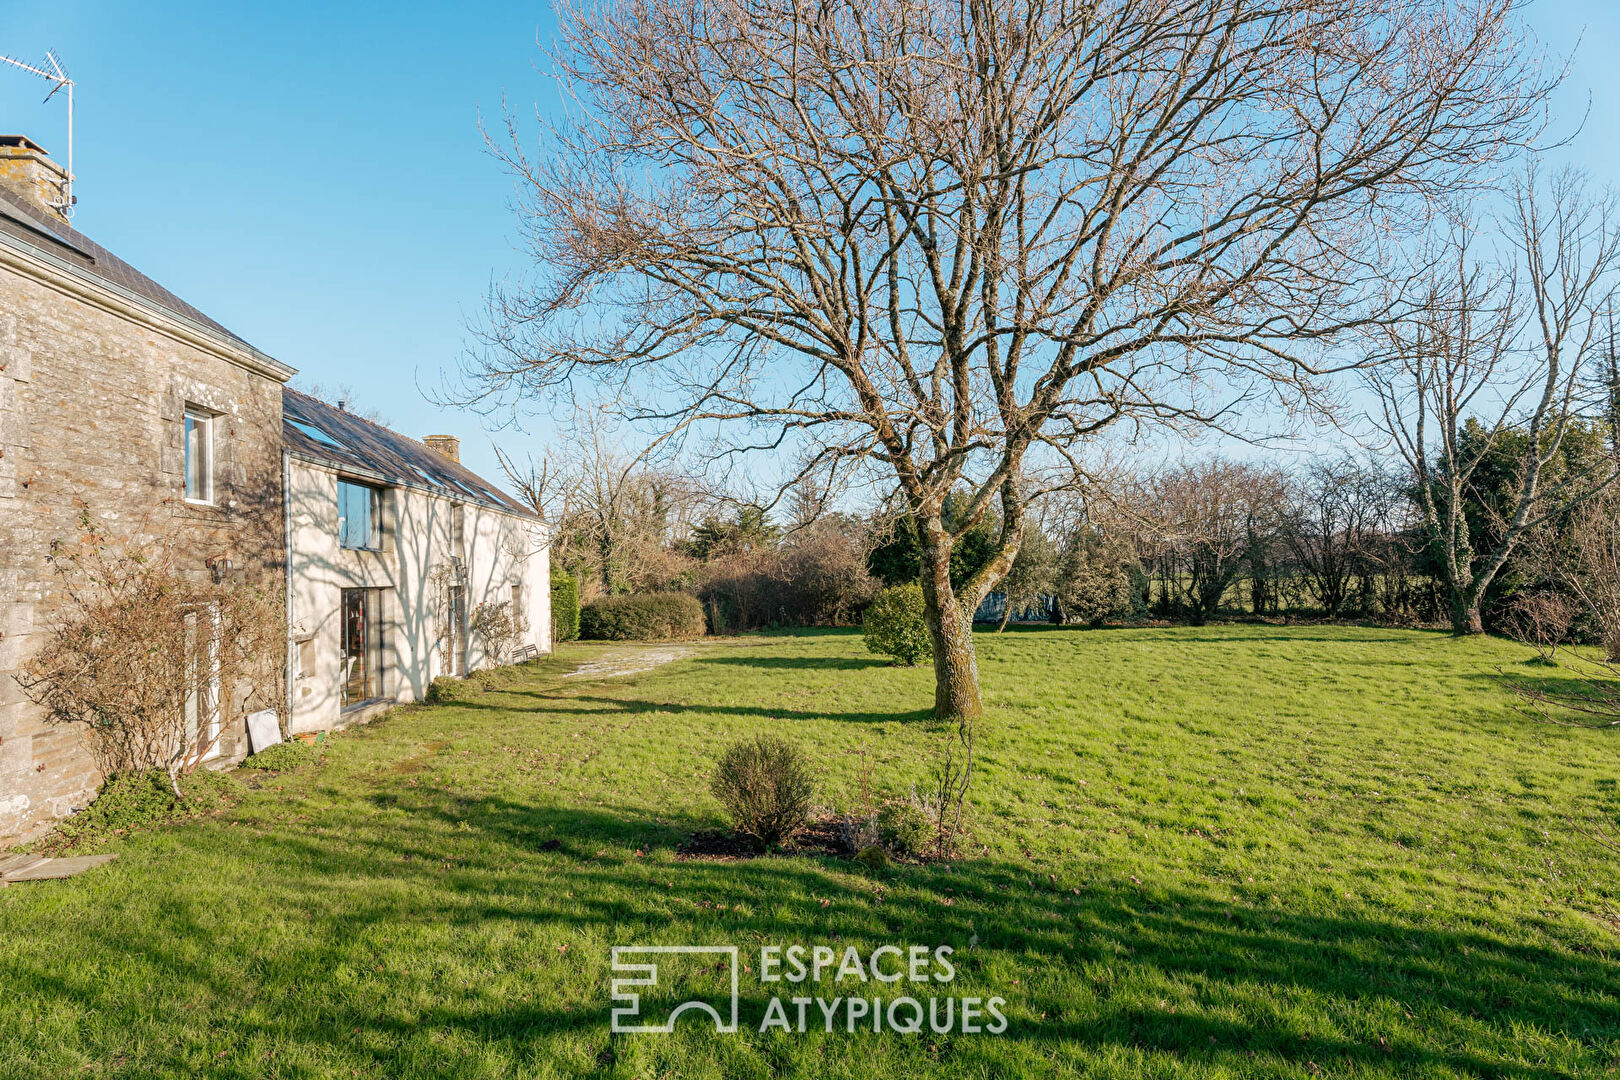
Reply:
x=1217, y=852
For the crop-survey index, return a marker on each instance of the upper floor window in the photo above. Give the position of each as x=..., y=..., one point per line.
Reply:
x=359, y=516
x=199, y=455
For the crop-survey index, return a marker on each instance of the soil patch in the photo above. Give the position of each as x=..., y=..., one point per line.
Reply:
x=823, y=837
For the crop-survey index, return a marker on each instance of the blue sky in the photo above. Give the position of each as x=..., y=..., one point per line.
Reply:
x=312, y=176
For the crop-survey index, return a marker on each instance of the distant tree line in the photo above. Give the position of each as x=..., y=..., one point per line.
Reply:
x=1339, y=538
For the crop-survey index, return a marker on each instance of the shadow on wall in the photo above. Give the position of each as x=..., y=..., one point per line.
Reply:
x=416, y=545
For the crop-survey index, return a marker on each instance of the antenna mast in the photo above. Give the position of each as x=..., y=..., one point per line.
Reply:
x=51, y=71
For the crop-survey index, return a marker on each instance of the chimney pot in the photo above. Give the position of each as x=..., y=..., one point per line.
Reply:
x=448, y=445
x=28, y=172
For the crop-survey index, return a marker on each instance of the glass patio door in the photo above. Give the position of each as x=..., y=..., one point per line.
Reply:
x=362, y=646
x=202, y=677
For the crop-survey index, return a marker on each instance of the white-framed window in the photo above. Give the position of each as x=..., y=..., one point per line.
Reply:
x=359, y=516
x=199, y=440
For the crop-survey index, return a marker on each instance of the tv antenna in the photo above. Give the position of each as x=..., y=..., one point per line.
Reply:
x=51, y=70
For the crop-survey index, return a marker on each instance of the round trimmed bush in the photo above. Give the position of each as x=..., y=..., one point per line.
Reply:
x=445, y=689
x=895, y=625
x=764, y=784
x=642, y=617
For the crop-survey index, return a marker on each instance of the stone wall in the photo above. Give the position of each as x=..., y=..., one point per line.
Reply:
x=92, y=397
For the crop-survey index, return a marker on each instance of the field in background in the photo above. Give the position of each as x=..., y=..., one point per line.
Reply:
x=1236, y=851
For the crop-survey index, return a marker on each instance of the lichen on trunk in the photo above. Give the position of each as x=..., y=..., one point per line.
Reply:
x=950, y=626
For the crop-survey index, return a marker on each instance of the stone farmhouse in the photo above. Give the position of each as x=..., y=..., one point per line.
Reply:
x=121, y=402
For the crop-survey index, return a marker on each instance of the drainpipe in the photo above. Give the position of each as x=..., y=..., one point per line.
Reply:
x=287, y=579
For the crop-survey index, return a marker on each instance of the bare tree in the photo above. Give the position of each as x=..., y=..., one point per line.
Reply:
x=1585, y=566
x=1333, y=530
x=1494, y=361
x=613, y=510
x=955, y=240
x=1203, y=522
x=1577, y=558
x=152, y=662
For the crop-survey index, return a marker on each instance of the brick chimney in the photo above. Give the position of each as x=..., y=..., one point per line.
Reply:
x=28, y=172
x=448, y=445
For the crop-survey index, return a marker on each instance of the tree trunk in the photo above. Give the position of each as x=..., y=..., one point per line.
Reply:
x=956, y=666
x=1465, y=618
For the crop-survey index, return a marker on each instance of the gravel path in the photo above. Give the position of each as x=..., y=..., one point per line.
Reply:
x=629, y=663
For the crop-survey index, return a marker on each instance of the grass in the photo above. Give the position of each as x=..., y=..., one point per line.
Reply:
x=1218, y=852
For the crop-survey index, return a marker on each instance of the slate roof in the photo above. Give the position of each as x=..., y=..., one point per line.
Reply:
x=345, y=441
x=20, y=221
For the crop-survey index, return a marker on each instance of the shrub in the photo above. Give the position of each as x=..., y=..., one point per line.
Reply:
x=283, y=756
x=564, y=607
x=764, y=784
x=493, y=678
x=904, y=828
x=445, y=689
x=895, y=625
x=642, y=617
x=501, y=627
x=120, y=659
x=1094, y=580
x=140, y=800
x=815, y=577
x=1541, y=620
x=873, y=858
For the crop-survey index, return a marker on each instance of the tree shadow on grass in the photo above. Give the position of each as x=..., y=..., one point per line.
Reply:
x=558, y=703
x=1281, y=635
x=801, y=663
x=632, y=705
x=1564, y=700
x=1539, y=680
x=1106, y=971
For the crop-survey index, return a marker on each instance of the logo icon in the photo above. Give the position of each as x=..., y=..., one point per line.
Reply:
x=646, y=975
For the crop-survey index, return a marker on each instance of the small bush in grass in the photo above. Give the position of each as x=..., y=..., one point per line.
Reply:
x=564, y=606
x=445, y=689
x=140, y=800
x=904, y=828
x=283, y=756
x=764, y=784
x=895, y=625
x=642, y=617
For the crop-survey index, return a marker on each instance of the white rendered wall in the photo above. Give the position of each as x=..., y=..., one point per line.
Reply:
x=501, y=550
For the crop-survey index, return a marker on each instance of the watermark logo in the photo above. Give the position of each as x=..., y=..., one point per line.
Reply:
x=647, y=977
x=809, y=987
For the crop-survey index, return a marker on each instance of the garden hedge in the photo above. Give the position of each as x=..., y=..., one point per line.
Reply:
x=564, y=606
x=642, y=617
